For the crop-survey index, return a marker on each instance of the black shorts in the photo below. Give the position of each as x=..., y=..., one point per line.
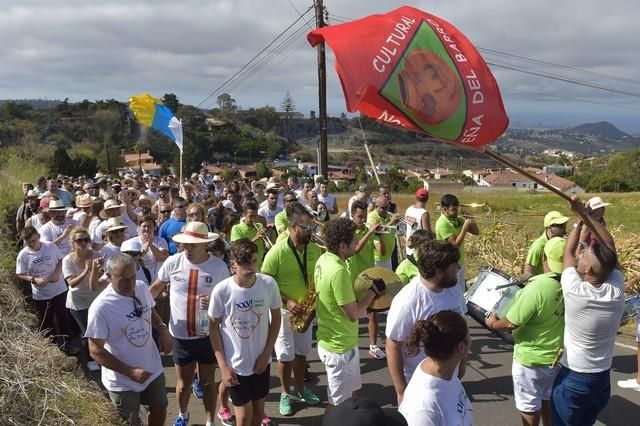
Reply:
x=186, y=351
x=250, y=388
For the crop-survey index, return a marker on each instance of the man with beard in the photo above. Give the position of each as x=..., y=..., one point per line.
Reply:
x=28, y=208
x=430, y=292
x=291, y=262
x=593, y=290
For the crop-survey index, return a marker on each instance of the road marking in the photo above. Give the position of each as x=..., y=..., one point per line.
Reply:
x=622, y=345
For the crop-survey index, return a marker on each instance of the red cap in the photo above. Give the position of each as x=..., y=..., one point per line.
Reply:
x=44, y=203
x=422, y=193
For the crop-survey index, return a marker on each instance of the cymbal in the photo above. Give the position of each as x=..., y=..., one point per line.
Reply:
x=364, y=281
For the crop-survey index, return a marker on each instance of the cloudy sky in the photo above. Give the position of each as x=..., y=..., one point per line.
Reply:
x=116, y=48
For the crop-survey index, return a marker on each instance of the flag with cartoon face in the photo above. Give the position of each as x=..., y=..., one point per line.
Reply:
x=413, y=70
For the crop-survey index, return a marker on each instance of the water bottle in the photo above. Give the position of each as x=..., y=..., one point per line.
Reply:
x=203, y=321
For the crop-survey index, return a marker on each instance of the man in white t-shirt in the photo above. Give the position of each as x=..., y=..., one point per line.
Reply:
x=40, y=264
x=270, y=208
x=329, y=200
x=363, y=193
x=119, y=333
x=593, y=290
x=57, y=230
x=434, y=290
x=192, y=275
x=245, y=319
x=417, y=216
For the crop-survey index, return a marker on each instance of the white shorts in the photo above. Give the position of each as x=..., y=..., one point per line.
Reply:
x=291, y=343
x=532, y=385
x=343, y=374
x=383, y=263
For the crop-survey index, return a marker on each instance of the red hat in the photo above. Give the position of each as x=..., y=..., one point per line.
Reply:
x=422, y=193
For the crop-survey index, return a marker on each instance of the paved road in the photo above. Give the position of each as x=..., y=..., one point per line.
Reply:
x=487, y=381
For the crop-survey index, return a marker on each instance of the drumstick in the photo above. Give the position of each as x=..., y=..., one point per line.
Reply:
x=557, y=358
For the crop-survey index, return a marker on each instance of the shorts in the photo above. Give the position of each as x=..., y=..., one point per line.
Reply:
x=128, y=403
x=578, y=398
x=186, y=351
x=343, y=374
x=290, y=342
x=383, y=263
x=250, y=388
x=532, y=385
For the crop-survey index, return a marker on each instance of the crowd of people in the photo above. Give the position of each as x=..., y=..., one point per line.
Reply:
x=218, y=274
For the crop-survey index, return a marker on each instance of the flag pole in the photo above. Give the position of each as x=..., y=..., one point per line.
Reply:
x=180, y=184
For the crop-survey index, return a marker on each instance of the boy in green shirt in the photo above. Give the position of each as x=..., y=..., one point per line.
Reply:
x=408, y=268
x=247, y=229
x=338, y=312
x=555, y=225
x=454, y=229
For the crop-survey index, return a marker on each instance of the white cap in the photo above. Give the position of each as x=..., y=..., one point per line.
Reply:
x=133, y=244
x=228, y=204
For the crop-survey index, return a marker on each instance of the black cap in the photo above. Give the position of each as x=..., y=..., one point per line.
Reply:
x=362, y=412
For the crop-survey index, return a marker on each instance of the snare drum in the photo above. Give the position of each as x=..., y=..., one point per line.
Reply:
x=492, y=292
x=631, y=308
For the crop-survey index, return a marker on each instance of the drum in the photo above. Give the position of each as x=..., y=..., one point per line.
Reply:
x=364, y=281
x=492, y=292
x=631, y=308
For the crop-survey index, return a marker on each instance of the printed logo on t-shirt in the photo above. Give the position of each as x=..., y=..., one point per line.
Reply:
x=244, y=319
x=41, y=259
x=462, y=404
x=137, y=332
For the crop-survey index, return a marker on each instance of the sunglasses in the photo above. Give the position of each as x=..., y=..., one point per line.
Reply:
x=118, y=231
x=82, y=240
x=138, y=309
x=165, y=211
x=309, y=228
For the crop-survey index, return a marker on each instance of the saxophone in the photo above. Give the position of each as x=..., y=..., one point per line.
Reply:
x=301, y=322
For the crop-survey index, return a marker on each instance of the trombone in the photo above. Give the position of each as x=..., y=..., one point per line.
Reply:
x=267, y=241
x=400, y=228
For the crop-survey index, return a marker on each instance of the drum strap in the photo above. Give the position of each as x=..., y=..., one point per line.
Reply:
x=302, y=264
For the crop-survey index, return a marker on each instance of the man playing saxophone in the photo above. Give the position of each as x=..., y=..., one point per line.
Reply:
x=291, y=262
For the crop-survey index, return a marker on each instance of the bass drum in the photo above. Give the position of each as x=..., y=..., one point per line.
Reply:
x=492, y=292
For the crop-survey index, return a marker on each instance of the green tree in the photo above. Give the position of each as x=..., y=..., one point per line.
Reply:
x=171, y=101
x=61, y=163
x=395, y=180
x=227, y=104
x=262, y=170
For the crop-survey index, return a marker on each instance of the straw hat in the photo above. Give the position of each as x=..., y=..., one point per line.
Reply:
x=596, y=203
x=108, y=205
x=255, y=183
x=143, y=197
x=83, y=201
x=115, y=223
x=56, y=205
x=195, y=233
x=32, y=194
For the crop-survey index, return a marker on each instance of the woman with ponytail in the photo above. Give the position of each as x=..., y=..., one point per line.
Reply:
x=435, y=395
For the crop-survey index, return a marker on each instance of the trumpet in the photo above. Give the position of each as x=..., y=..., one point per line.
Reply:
x=265, y=237
x=488, y=219
x=400, y=228
x=319, y=241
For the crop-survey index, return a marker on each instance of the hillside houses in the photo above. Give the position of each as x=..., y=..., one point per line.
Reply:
x=509, y=179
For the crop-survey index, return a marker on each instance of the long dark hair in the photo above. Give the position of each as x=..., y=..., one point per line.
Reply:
x=439, y=334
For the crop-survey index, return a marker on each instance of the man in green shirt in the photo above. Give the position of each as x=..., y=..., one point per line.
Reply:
x=291, y=262
x=280, y=221
x=555, y=225
x=338, y=312
x=454, y=229
x=537, y=320
x=408, y=268
x=247, y=229
x=384, y=242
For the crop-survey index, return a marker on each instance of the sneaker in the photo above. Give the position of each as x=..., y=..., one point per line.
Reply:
x=93, y=366
x=197, y=389
x=225, y=416
x=629, y=384
x=307, y=396
x=181, y=421
x=376, y=352
x=285, y=405
x=266, y=421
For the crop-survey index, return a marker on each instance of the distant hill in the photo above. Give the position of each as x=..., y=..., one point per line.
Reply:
x=603, y=129
x=35, y=103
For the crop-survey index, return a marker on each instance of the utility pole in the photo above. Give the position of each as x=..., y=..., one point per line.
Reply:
x=322, y=94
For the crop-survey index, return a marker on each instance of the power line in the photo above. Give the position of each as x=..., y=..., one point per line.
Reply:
x=545, y=95
x=214, y=92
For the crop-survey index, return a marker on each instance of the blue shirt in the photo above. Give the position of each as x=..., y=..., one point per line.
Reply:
x=170, y=228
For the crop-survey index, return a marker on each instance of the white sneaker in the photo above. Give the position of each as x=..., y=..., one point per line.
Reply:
x=376, y=352
x=629, y=384
x=93, y=366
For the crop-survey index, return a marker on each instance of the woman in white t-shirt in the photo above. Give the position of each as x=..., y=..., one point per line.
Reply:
x=78, y=268
x=435, y=396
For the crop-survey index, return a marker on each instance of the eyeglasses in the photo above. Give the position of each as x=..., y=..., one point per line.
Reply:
x=308, y=228
x=82, y=240
x=165, y=211
x=138, y=309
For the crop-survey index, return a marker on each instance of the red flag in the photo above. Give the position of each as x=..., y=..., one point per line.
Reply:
x=413, y=70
